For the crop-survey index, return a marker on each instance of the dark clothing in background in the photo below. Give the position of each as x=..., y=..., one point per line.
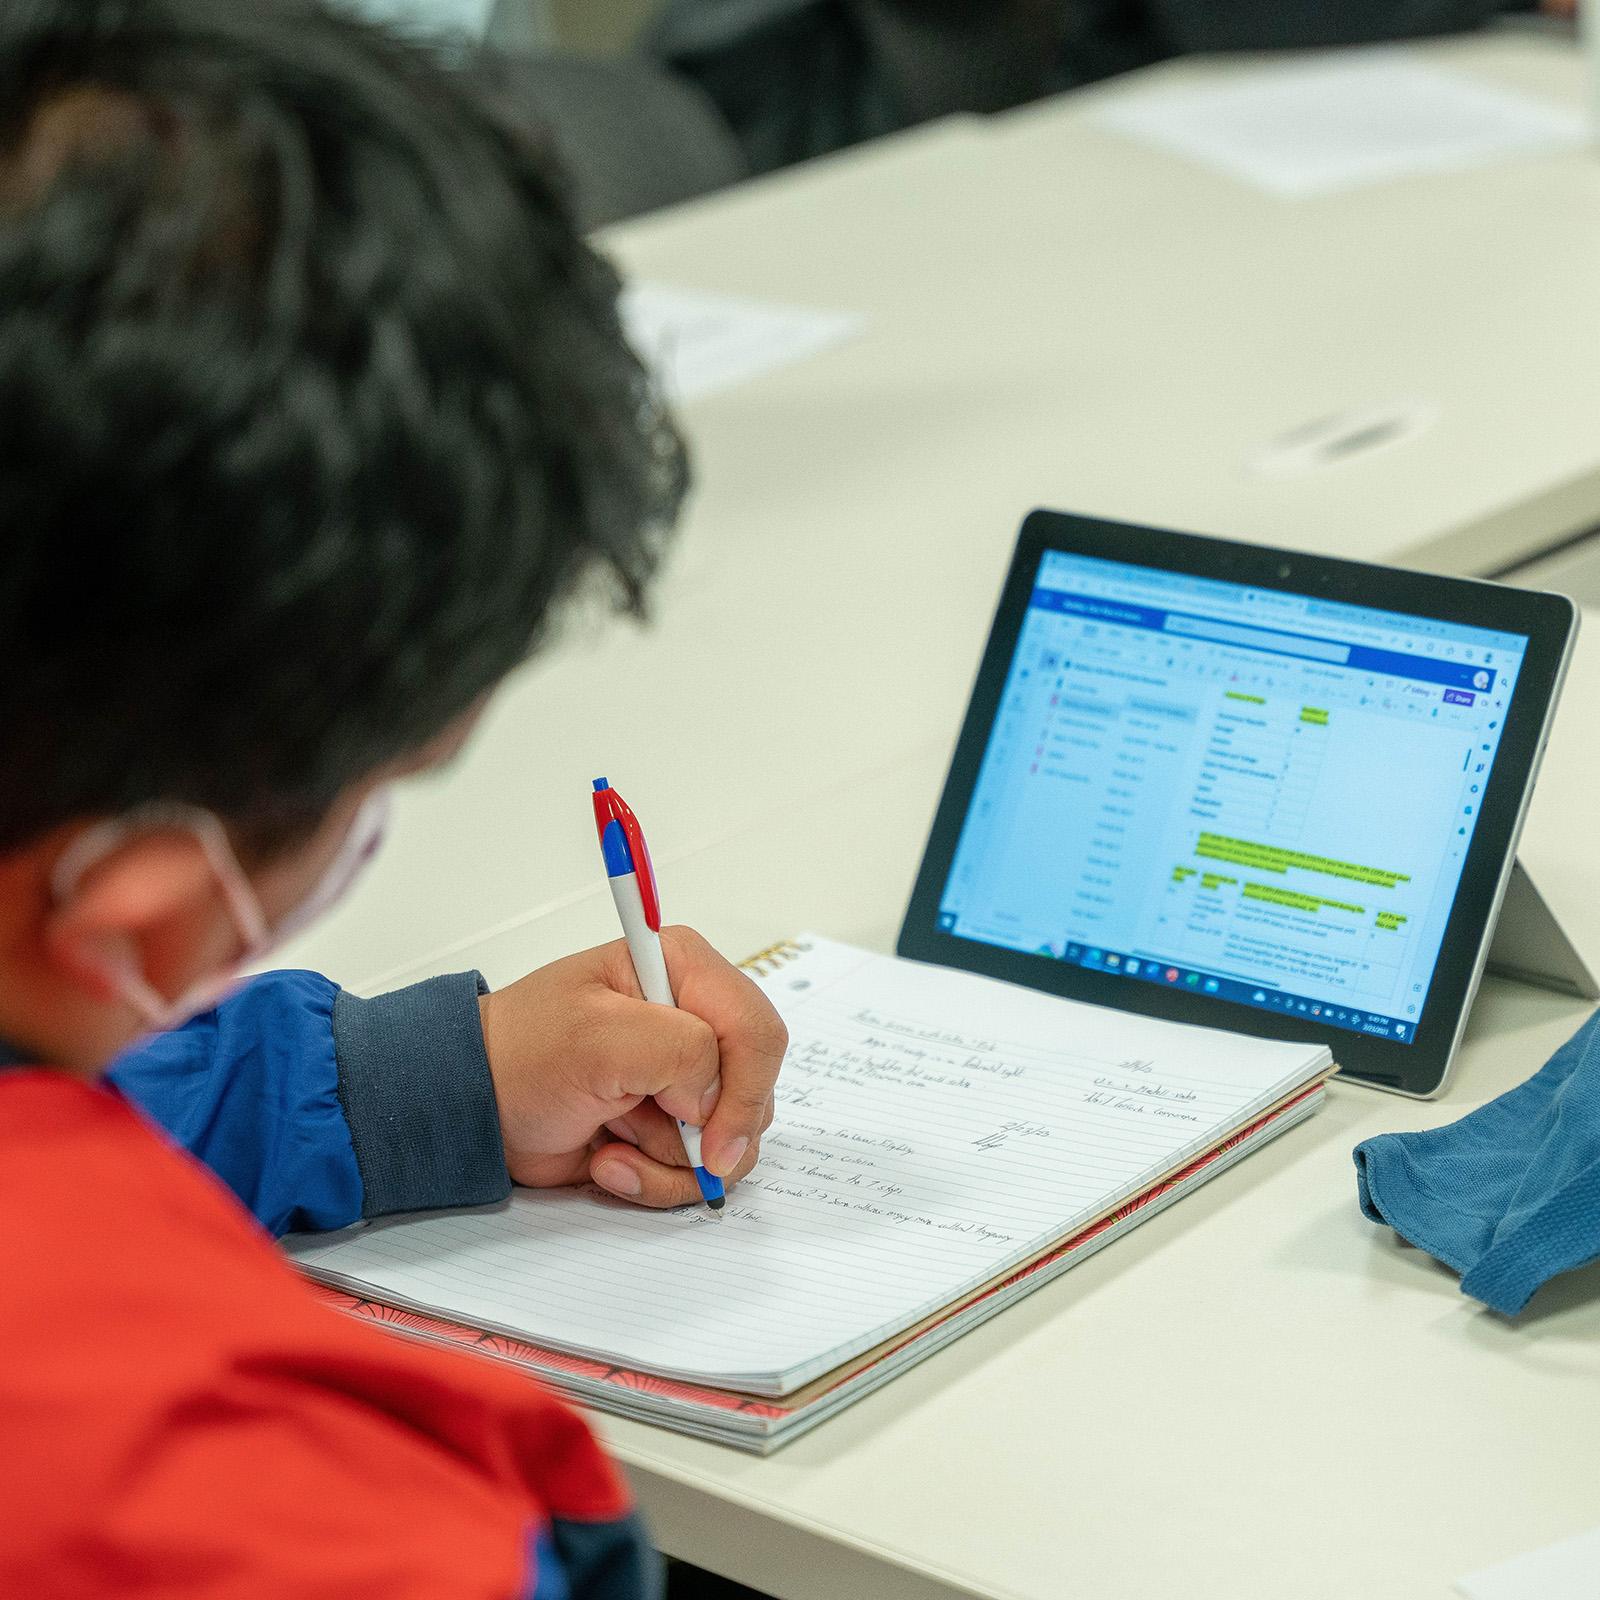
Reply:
x=633, y=136
x=801, y=78
x=793, y=78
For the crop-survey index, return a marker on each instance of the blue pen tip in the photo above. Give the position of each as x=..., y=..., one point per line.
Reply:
x=600, y=783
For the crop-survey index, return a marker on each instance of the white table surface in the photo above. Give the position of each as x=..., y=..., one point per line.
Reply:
x=1257, y=1393
x=1058, y=318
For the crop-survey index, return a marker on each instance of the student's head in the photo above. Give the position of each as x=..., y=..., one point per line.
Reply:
x=313, y=410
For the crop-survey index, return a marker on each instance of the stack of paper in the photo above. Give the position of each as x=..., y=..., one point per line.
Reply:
x=945, y=1144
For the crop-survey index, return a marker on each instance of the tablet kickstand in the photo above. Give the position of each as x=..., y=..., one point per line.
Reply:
x=1529, y=945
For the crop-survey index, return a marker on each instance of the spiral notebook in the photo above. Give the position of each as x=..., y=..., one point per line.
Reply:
x=944, y=1144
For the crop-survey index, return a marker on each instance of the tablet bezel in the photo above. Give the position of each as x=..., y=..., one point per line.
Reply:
x=1420, y=1068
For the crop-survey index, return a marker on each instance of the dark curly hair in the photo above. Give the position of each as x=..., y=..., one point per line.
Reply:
x=313, y=405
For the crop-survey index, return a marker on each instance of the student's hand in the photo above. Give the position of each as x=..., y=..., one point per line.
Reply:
x=589, y=1075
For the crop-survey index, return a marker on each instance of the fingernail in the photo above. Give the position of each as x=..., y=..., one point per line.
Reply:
x=732, y=1155
x=708, y=1101
x=618, y=1177
x=621, y=1130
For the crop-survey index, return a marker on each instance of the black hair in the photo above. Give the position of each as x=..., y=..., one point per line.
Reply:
x=313, y=406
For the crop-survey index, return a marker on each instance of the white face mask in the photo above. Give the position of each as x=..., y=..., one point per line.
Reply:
x=360, y=845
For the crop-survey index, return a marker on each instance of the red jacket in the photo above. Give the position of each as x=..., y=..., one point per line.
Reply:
x=181, y=1417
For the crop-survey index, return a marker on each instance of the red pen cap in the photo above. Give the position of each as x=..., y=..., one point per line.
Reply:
x=609, y=806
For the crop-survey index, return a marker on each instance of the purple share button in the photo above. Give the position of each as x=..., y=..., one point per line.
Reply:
x=1457, y=697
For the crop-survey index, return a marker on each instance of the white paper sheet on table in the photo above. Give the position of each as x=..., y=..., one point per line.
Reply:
x=1343, y=120
x=1566, y=1571
x=700, y=343
x=442, y=16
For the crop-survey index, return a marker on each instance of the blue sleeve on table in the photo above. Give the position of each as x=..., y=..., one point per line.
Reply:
x=1510, y=1195
x=252, y=1090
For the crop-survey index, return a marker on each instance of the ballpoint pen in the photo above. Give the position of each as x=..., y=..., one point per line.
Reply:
x=633, y=888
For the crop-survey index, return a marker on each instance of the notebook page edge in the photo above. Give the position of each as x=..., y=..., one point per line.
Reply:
x=847, y=961
x=782, y=1385
x=745, y=1431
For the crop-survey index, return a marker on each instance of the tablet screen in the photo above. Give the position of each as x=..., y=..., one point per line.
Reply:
x=1243, y=792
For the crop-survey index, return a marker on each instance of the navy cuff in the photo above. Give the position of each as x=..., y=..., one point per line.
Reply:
x=609, y=1560
x=415, y=1086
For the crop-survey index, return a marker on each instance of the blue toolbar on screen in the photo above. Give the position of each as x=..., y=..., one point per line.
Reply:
x=1259, y=796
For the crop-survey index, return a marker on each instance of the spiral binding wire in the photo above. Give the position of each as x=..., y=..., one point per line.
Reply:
x=766, y=962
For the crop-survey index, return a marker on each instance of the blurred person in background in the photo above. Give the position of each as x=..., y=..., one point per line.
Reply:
x=801, y=78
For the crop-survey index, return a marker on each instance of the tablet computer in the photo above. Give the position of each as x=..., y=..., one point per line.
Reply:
x=1245, y=787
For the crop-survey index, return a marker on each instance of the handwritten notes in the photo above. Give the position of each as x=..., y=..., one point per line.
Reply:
x=700, y=344
x=934, y=1129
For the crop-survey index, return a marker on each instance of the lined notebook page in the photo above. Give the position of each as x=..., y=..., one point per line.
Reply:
x=934, y=1128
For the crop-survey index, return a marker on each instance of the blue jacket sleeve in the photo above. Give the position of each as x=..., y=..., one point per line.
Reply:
x=318, y=1108
x=252, y=1089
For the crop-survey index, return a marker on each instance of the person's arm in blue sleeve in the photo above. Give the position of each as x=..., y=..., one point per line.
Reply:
x=319, y=1109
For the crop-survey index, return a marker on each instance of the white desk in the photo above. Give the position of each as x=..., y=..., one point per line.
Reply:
x=1257, y=1394
x=1058, y=318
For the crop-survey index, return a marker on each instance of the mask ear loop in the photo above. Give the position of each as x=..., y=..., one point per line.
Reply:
x=361, y=843
x=99, y=841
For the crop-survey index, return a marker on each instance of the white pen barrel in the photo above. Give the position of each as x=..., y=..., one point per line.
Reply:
x=644, y=943
x=691, y=1142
